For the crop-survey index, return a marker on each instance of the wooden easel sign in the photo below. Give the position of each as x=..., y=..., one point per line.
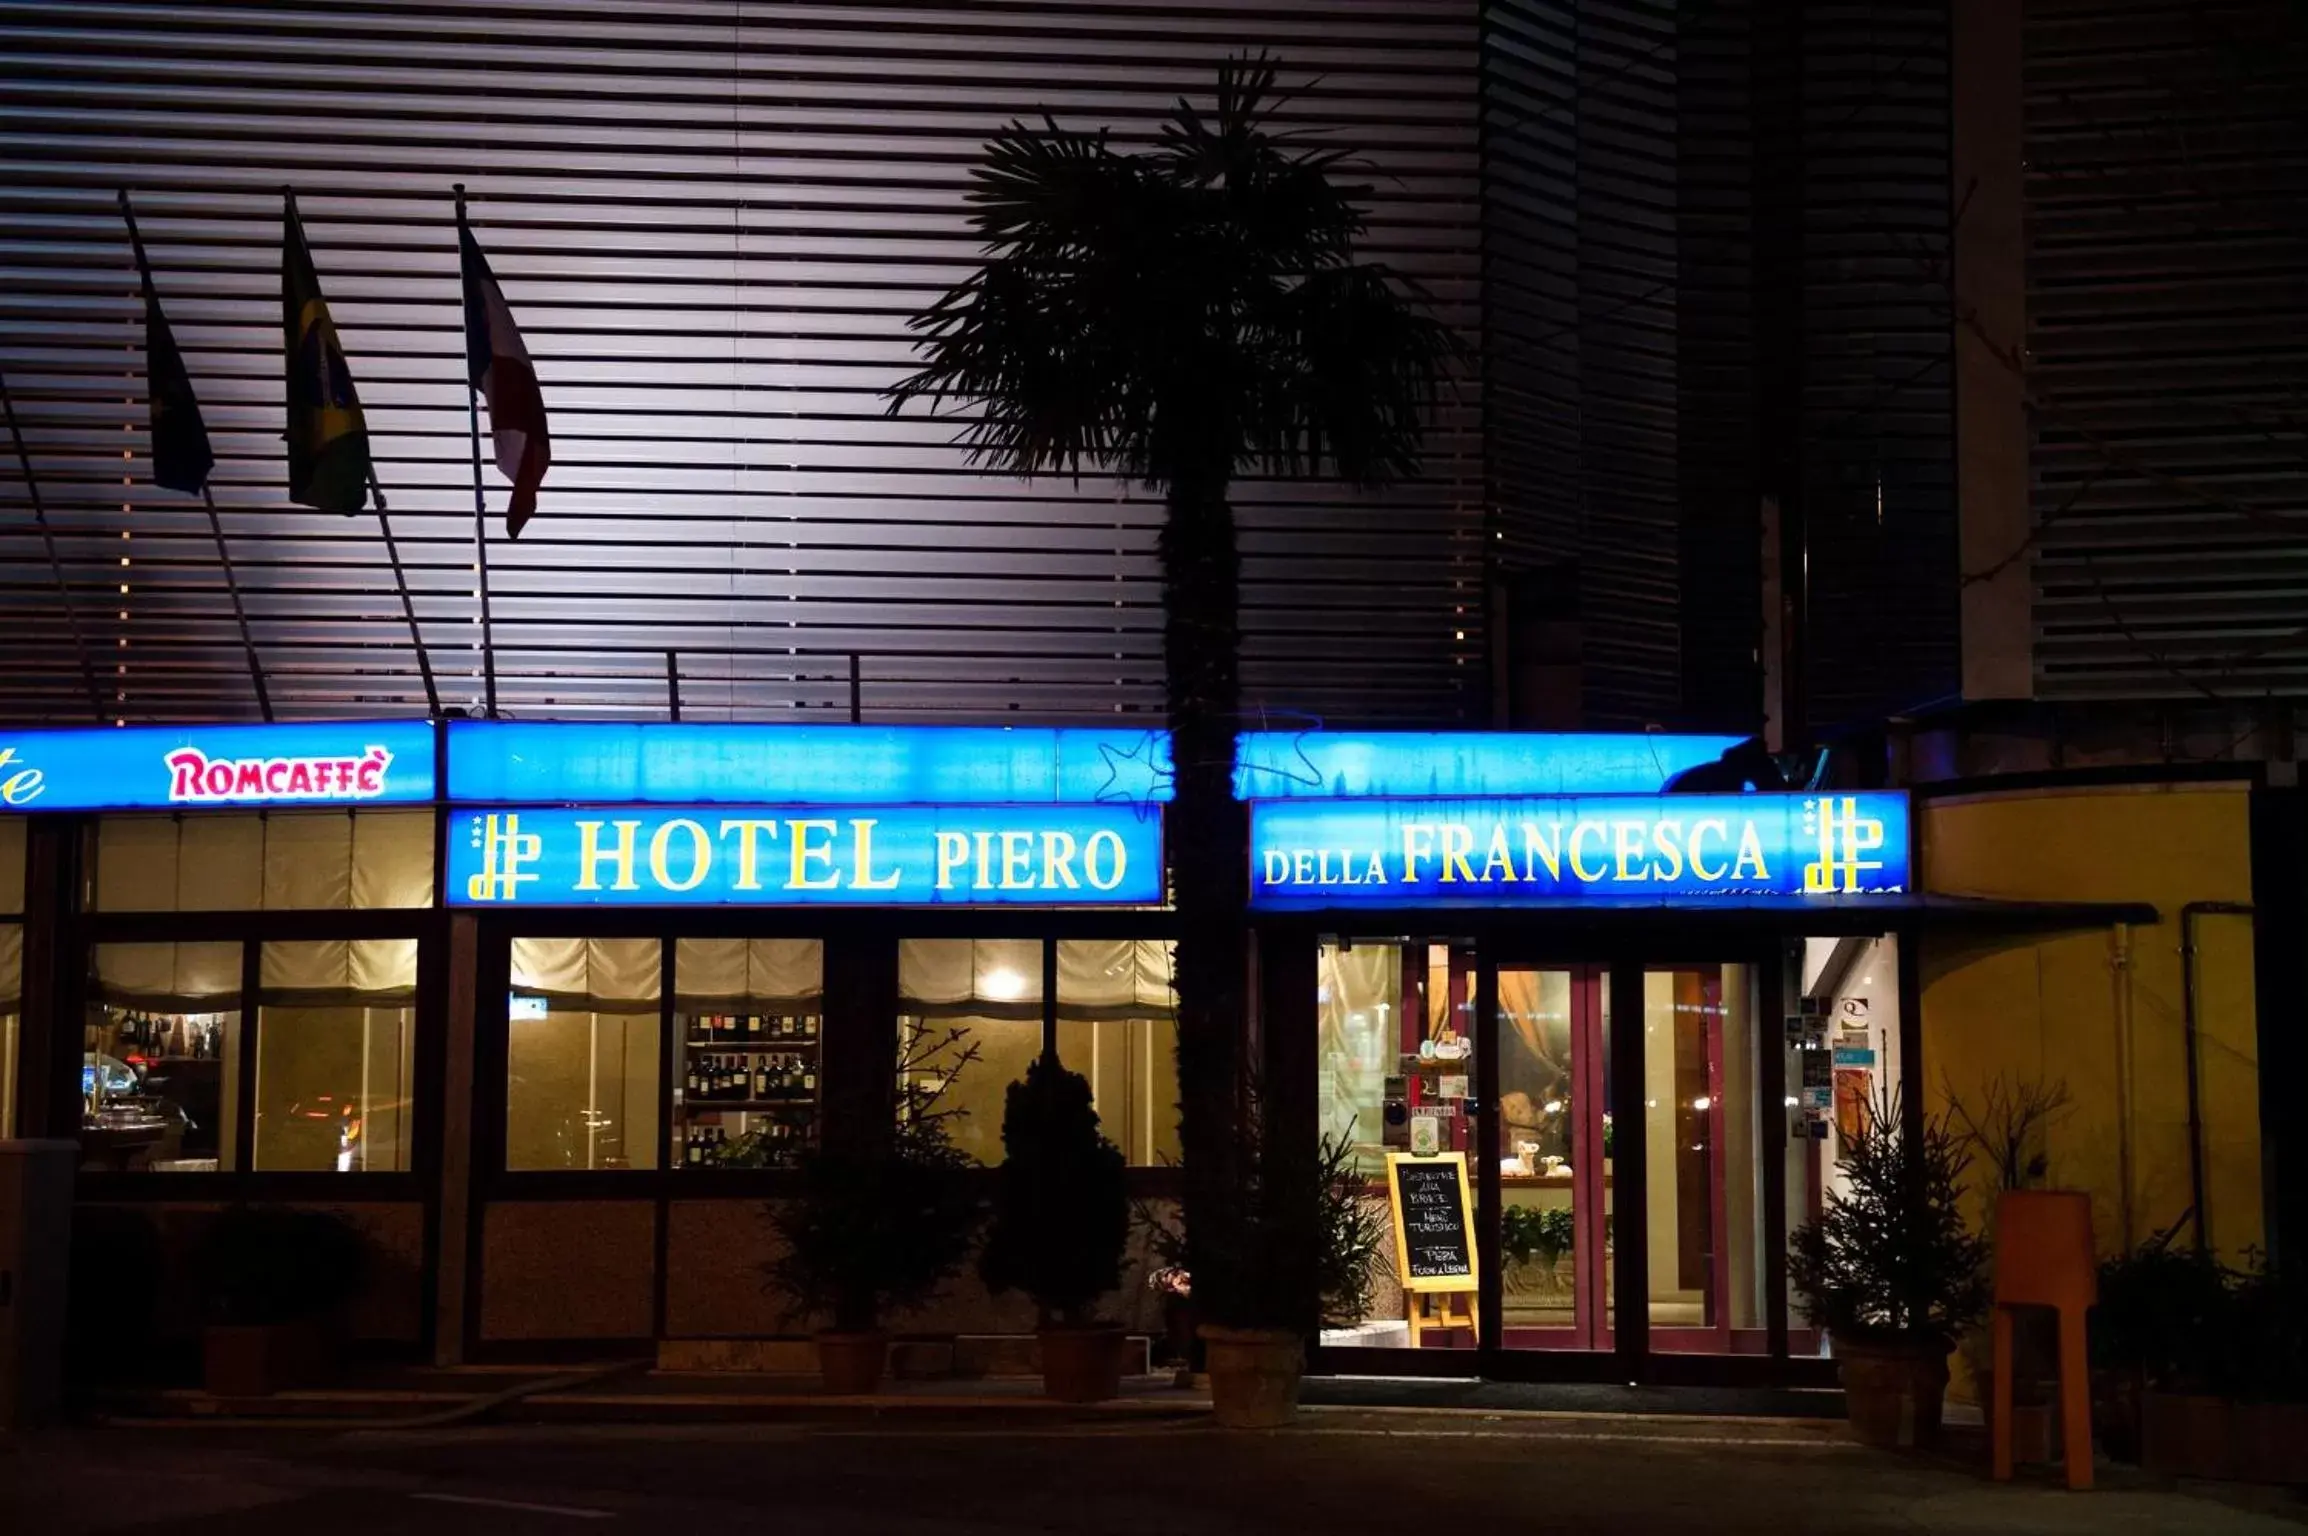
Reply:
x=1434, y=1246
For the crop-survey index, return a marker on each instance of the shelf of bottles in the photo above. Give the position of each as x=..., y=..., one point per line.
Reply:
x=747, y=1096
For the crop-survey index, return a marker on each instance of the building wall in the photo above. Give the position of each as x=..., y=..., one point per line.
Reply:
x=713, y=221
x=2101, y=1009
x=1715, y=241
x=2165, y=350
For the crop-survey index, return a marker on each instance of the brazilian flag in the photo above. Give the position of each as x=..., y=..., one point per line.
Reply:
x=328, y=438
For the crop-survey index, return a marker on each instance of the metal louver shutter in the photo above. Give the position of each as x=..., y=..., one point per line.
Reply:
x=2167, y=209
x=712, y=219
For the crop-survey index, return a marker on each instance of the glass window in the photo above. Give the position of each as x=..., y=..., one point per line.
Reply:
x=160, y=1073
x=274, y=861
x=12, y=838
x=1118, y=1027
x=750, y=1018
x=1360, y=1037
x=1842, y=1072
x=956, y=996
x=11, y=1030
x=335, y=1056
x=581, y=1054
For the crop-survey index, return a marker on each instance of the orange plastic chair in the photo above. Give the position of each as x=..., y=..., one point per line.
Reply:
x=2044, y=1258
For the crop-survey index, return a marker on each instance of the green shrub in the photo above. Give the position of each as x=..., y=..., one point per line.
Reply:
x=1061, y=1199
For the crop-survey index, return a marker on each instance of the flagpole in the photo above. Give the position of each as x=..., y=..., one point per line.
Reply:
x=408, y=608
x=480, y=500
x=295, y=227
x=55, y=566
x=239, y=612
x=208, y=497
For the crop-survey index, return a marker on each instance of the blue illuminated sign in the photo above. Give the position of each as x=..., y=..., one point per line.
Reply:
x=516, y=763
x=1284, y=765
x=519, y=763
x=855, y=855
x=1757, y=849
x=189, y=767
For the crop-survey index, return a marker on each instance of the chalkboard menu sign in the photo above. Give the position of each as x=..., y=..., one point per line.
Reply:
x=1433, y=1222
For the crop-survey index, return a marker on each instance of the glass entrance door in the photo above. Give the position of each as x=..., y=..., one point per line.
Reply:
x=1554, y=1238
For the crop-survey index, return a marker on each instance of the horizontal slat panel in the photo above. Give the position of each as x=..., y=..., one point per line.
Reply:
x=713, y=221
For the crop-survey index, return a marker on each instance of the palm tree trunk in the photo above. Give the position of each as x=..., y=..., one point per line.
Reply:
x=1209, y=853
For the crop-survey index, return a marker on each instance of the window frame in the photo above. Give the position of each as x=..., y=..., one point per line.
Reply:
x=849, y=1103
x=419, y=1182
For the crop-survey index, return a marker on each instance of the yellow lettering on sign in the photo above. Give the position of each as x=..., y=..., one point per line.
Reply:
x=1750, y=855
x=985, y=842
x=1499, y=868
x=1547, y=850
x=24, y=785
x=700, y=855
x=806, y=852
x=1058, y=849
x=591, y=855
x=748, y=832
x=953, y=853
x=1277, y=867
x=1417, y=844
x=1110, y=843
x=1699, y=831
x=1458, y=840
x=1667, y=837
x=1627, y=846
x=1017, y=861
x=862, y=829
x=1578, y=842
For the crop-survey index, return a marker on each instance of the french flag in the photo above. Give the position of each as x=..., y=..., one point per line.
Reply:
x=497, y=364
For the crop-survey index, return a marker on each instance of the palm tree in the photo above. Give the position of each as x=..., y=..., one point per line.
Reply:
x=1179, y=315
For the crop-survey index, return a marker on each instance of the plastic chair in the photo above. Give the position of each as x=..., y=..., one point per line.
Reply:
x=2044, y=1258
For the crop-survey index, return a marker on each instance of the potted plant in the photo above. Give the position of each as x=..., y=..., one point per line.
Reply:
x=878, y=1224
x=273, y=1284
x=1061, y=1220
x=1289, y=1255
x=1892, y=1274
x=1535, y=1240
x=2155, y=1328
x=2200, y=1370
x=2009, y=1133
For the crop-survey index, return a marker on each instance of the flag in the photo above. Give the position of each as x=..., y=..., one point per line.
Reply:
x=181, y=456
x=497, y=364
x=328, y=438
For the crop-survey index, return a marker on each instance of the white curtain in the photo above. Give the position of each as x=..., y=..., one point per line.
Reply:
x=970, y=978
x=717, y=974
x=11, y=865
x=1115, y=979
x=590, y=975
x=332, y=973
x=182, y=978
x=282, y=861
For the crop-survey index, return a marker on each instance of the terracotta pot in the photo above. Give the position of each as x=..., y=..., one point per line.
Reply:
x=1082, y=1365
x=1254, y=1375
x=259, y=1359
x=2217, y=1437
x=2116, y=1394
x=851, y=1364
x=2035, y=1426
x=1893, y=1389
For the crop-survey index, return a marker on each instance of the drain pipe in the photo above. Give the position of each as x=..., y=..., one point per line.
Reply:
x=2188, y=915
x=2120, y=971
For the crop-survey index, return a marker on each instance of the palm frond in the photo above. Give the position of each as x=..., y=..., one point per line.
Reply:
x=1355, y=360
